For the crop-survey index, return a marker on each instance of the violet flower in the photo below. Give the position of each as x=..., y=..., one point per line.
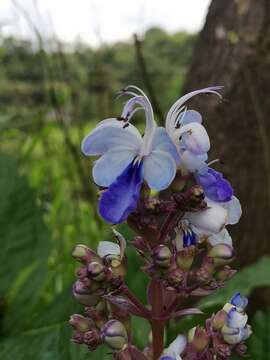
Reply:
x=127, y=159
x=192, y=142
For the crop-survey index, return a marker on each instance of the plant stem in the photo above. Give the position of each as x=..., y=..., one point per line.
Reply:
x=157, y=325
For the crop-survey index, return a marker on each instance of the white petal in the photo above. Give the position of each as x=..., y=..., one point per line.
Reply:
x=159, y=170
x=106, y=248
x=163, y=142
x=236, y=319
x=112, y=164
x=190, y=116
x=234, y=210
x=108, y=135
x=176, y=347
x=210, y=220
x=192, y=162
x=223, y=237
x=194, y=137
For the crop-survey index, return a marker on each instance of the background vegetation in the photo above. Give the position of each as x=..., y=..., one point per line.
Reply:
x=51, y=95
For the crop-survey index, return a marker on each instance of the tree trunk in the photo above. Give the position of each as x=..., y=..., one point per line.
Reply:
x=233, y=50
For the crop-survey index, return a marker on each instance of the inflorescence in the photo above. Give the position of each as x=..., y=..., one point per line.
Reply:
x=162, y=185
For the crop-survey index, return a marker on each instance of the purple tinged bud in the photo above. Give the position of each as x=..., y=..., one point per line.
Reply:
x=84, y=295
x=223, y=350
x=78, y=338
x=222, y=254
x=81, y=272
x=241, y=349
x=92, y=339
x=184, y=258
x=162, y=256
x=96, y=271
x=114, y=334
x=80, y=323
x=219, y=320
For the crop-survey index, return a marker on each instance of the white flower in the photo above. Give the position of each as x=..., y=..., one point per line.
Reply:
x=175, y=349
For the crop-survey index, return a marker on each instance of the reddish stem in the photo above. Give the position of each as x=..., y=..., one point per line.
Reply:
x=157, y=325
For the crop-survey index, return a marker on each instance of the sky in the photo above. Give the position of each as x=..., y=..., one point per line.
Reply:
x=101, y=21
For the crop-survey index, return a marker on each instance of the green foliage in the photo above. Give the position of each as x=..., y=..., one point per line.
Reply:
x=259, y=342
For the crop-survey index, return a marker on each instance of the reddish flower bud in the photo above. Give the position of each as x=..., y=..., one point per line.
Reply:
x=175, y=277
x=219, y=319
x=162, y=256
x=199, y=338
x=92, y=339
x=78, y=338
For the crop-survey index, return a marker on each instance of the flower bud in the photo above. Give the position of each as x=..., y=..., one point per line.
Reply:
x=83, y=254
x=162, y=256
x=83, y=295
x=175, y=277
x=80, y=323
x=223, y=350
x=81, y=273
x=225, y=274
x=114, y=334
x=184, y=258
x=78, y=338
x=234, y=336
x=239, y=301
x=241, y=349
x=222, y=254
x=92, y=339
x=96, y=271
x=199, y=338
x=219, y=320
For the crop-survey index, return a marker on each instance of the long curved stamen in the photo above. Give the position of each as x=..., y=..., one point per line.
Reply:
x=170, y=118
x=141, y=99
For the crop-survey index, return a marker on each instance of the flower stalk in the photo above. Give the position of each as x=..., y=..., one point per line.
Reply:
x=178, y=206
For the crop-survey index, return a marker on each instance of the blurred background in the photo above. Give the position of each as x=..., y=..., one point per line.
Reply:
x=61, y=66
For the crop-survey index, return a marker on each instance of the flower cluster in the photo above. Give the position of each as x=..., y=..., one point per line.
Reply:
x=224, y=334
x=162, y=185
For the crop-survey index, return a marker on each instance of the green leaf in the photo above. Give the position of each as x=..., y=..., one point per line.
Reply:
x=25, y=246
x=259, y=341
x=48, y=343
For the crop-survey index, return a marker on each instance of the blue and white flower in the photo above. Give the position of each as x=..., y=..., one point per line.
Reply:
x=175, y=349
x=192, y=142
x=236, y=329
x=209, y=224
x=127, y=159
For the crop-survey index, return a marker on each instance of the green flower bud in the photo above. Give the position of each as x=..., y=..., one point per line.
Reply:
x=185, y=257
x=222, y=254
x=80, y=323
